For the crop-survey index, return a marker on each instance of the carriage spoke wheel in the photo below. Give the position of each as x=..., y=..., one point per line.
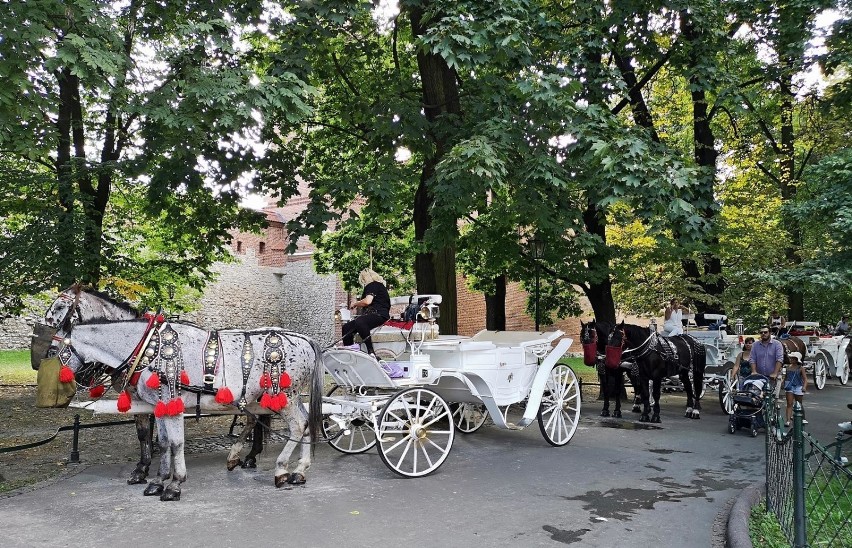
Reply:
x=844, y=373
x=361, y=436
x=359, y=439
x=468, y=417
x=416, y=432
x=726, y=389
x=559, y=413
x=820, y=371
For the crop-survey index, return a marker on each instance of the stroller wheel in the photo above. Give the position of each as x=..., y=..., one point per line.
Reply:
x=731, y=428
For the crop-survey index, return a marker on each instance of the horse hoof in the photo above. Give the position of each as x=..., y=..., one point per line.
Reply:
x=688, y=414
x=656, y=418
x=170, y=495
x=636, y=409
x=617, y=414
x=249, y=463
x=234, y=463
x=644, y=418
x=153, y=490
x=604, y=413
x=296, y=479
x=696, y=415
x=281, y=481
x=137, y=478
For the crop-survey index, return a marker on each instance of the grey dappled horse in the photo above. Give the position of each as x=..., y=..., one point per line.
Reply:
x=78, y=303
x=242, y=362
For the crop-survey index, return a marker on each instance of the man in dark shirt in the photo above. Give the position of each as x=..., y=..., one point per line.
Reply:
x=376, y=302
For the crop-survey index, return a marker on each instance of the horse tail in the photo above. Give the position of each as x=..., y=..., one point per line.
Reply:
x=315, y=406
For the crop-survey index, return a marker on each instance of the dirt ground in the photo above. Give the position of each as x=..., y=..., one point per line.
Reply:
x=21, y=422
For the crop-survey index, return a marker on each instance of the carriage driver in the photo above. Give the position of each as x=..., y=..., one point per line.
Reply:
x=767, y=355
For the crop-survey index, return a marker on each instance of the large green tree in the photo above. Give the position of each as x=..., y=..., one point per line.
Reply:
x=168, y=103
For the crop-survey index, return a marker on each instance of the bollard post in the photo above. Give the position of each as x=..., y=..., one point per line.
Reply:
x=800, y=538
x=75, y=453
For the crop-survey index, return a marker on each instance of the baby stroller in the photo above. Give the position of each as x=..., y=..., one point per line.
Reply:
x=748, y=405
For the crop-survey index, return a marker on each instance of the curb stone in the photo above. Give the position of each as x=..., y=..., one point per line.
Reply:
x=737, y=532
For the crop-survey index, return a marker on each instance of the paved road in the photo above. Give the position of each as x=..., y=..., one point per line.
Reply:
x=617, y=482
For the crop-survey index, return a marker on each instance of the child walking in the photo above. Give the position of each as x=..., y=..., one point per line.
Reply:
x=795, y=384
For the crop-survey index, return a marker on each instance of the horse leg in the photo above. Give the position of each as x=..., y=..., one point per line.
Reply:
x=619, y=386
x=602, y=380
x=234, y=459
x=298, y=425
x=263, y=423
x=155, y=487
x=144, y=433
x=646, y=400
x=687, y=387
x=657, y=385
x=697, y=386
x=175, y=427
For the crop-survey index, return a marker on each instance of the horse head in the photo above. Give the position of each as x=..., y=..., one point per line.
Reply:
x=589, y=341
x=615, y=344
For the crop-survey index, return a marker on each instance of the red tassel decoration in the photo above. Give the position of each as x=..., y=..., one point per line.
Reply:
x=265, y=400
x=65, y=374
x=123, y=402
x=160, y=409
x=266, y=381
x=97, y=391
x=153, y=381
x=175, y=407
x=285, y=381
x=184, y=378
x=224, y=395
x=282, y=399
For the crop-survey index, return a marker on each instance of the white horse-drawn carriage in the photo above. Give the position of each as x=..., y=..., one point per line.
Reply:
x=442, y=384
x=826, y=354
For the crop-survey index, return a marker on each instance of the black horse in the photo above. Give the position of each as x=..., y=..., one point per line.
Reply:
x=659, y=357
x=593, y=336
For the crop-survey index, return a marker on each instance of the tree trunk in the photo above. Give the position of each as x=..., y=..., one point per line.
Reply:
x=435, y=270
x=495, y=306
x=599, y=293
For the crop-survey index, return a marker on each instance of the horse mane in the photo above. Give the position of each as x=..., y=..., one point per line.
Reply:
x=106, y=297
x=636, y=333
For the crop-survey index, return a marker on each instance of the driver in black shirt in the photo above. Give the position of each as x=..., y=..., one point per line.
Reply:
x=376, y=302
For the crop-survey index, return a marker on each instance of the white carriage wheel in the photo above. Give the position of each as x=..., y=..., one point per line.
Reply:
x=468, y=417
x=726, y=389
x=844, y=372
x=416, y=432
x=820, y=370
x=360, y=438
x=559, y=412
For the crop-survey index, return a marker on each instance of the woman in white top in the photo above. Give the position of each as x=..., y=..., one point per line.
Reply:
x=674, y=318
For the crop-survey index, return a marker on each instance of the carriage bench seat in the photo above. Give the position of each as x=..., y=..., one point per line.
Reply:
x=398, y=331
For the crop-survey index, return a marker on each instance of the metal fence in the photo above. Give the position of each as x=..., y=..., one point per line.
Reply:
x=808, y=486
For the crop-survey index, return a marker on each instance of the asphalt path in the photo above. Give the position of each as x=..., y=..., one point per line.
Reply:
x=618, y=482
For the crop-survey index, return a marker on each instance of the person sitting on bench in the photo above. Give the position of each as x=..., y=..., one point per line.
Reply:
x=376, y=302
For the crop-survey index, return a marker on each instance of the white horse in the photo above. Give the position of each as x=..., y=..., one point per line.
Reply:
x=269, y=364
x=76, y=304
x=72, y=306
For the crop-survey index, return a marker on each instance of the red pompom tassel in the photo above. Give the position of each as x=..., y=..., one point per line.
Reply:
x=184, y=378
x=282, y=400
x=65, y=374
x=153, y=381
x=265, y=400
x=160, y=409
x=266, y=381
x=175, y=407
x=284, y=381
x=97, y=391
x=224, y=395
x=123, y=402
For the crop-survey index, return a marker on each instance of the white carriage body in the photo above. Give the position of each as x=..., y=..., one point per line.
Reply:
x=823, y=351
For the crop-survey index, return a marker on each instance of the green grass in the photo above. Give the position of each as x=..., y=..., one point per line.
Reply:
x=764, y=530
x=583, y=371
x=15, y=367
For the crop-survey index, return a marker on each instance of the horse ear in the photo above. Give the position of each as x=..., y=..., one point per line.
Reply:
x=622, y=323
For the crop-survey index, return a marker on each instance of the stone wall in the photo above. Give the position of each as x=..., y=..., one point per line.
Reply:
x=247, y=296
x=15, y=332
